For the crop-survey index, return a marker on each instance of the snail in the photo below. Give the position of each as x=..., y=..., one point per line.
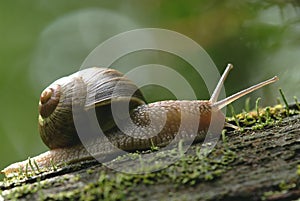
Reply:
x=108, y=86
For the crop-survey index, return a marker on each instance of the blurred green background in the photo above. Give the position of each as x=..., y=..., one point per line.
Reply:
x=44, y=40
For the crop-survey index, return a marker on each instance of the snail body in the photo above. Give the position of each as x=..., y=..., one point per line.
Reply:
x=139, y=127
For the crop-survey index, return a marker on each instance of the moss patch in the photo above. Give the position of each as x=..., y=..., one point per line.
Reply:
x=262, y=117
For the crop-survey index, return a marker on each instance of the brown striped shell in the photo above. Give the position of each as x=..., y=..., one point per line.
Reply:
x=92, y=88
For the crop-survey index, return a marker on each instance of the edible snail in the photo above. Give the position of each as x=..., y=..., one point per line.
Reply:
x=98, y=89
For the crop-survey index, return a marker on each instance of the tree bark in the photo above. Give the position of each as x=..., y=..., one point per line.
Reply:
x=252, y=165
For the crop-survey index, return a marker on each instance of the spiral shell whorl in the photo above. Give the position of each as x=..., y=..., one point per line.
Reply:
x=93, y=89
x=49, y=100
x=56, y=127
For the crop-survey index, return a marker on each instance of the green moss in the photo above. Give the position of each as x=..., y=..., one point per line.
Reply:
x=193, y=169
x=261, y=117
x=283, y=189
x=286, y=186
x=107, y=187
x=188, y=170
x=21, y=191
x=89, y=171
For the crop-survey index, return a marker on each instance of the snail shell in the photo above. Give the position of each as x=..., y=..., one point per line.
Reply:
x=56, y=124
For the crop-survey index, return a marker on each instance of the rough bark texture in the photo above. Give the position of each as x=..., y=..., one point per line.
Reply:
x=252, y=165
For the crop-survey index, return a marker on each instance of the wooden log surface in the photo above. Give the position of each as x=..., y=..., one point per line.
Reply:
x=257, y=164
